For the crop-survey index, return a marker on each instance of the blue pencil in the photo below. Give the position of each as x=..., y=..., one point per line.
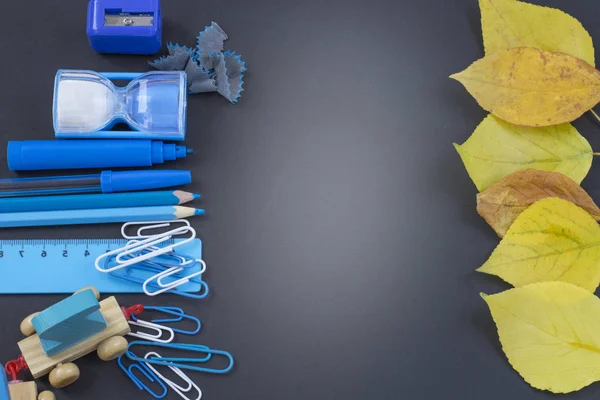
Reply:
x=96, y=216
x=91, y=201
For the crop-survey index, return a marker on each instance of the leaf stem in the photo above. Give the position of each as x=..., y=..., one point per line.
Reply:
x=595, y=115
x=596, y=154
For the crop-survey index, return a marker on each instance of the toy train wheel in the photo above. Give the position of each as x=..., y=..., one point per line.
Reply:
x=96, y=292
x=46, y=395
x=26, y=327
x=112, y=348
x=63, y=375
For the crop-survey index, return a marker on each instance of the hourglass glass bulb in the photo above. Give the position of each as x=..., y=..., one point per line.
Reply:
x=84, y=103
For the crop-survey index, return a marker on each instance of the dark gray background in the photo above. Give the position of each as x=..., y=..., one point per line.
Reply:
x=341, y=234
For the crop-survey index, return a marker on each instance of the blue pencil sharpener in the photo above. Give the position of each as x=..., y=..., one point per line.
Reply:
x=124, y=26
x=87, y=105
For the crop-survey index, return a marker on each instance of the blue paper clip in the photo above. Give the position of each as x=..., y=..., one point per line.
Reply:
x=179, y=316
x=148, y=373
x=177, y=361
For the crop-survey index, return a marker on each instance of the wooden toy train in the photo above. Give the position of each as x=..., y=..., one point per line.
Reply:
x=60, y=334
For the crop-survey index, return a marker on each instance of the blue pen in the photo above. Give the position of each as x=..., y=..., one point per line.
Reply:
x=91, y=201
x=105, y=182
x=96, y=216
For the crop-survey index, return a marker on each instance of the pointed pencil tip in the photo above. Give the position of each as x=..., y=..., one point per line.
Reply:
x=199, y=211
x=196, y=196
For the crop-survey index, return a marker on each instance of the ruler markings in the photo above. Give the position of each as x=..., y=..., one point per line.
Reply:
x=66, y=265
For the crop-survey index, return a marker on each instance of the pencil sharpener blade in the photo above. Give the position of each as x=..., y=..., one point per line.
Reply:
x=127, y=19
x=125, y=26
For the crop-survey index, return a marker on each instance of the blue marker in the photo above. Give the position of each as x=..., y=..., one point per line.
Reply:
x=105, y=182
x=31, y=155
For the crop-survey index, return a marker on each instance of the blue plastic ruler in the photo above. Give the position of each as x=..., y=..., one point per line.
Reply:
x=67, y=265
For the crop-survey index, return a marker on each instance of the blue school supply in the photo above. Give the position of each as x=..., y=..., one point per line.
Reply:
x=179, y=361
x=33, y=155
x=69, y=322
x=147, y=372
x=87, y=105
x=124, y=26
x=67, y=265
x=4, y=393
x=92, y=201
x=96, y=216
x=105, y=182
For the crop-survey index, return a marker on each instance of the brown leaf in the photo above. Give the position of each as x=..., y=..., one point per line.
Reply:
x=501, y=204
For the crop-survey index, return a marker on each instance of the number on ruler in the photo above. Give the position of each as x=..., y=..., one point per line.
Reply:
x=41, y=245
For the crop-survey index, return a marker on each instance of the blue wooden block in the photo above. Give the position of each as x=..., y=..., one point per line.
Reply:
x=69, y=322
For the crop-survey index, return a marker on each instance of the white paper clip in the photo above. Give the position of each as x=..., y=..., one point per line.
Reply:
x=178, y=389
x=171, y=285
x=159, y=329
x=155, y=225
x=135, y=250
x=135, y=246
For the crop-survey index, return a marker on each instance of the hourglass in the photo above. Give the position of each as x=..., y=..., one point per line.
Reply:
x=87, y=104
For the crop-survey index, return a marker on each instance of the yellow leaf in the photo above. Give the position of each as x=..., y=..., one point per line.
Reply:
x=552, y=240
x=550, y=333
x=497, y=149
x=503, y=202
x=510, y=23
x=531, y=87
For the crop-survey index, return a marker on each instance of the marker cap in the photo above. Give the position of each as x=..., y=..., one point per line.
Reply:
x=129, y=181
